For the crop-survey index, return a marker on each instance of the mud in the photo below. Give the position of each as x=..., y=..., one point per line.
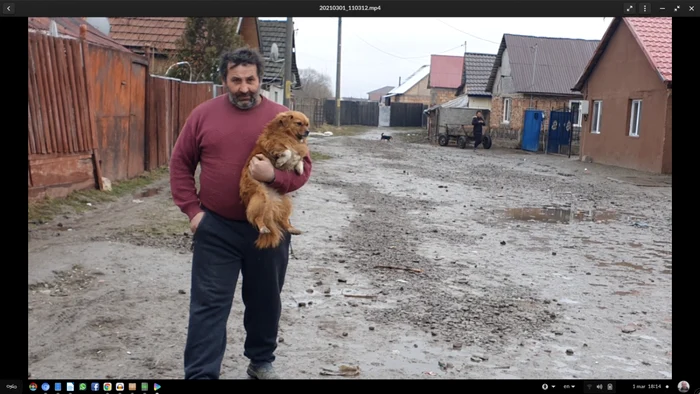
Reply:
x=417, y=261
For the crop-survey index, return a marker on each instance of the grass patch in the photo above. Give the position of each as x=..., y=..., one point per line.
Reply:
x=343, y=131
x=161, y=228
x=316, y=156
x=42, y=211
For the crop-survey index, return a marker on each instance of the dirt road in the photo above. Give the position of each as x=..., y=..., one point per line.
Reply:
x=494, y=286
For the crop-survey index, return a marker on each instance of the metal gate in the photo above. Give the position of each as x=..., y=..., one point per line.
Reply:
x=559, y=132
x=407, y=115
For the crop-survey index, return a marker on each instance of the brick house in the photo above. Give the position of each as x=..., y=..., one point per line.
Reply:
x=376, y=95
x=162, y=33
x=627, y=85
x=414, y=90
x=475, y=77
x=275, y=32
x=534, y=72
x=445, y=78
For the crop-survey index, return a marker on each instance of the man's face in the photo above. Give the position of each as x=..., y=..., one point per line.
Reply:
x=243, y=85
x=478, y=114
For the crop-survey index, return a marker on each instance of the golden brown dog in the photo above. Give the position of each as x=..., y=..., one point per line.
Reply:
x=283, y=142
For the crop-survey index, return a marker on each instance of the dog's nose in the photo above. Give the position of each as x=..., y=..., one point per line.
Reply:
x=306, y=132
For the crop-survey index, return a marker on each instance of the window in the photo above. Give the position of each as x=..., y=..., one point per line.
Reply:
x=597, y=116
x=506, y=110
x=635, y=114
x=576, y=111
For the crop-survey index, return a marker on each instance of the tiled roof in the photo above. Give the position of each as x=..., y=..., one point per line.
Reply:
x=445, y=71
x=559, y=63
x=477, y=68
x=654, y=36
x=71, y=27
x=385, y=89
x=159, y=32
x=275, y=32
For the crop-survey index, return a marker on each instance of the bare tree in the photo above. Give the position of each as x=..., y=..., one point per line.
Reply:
x=314, y=85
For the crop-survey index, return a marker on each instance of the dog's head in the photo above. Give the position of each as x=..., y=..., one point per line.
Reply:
x=295, y=123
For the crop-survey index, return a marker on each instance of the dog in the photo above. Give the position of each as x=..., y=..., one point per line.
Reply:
x=283, y=142
x=385, y=137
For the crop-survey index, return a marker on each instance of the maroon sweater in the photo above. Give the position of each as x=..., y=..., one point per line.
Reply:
x=219, y=137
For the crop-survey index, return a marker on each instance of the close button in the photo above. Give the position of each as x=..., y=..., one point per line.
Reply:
x=8, y=9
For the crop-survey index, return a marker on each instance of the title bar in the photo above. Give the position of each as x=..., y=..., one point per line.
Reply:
x=384, y=8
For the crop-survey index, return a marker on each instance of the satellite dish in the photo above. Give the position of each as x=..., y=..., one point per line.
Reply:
x=274, y=52
x=101, y=24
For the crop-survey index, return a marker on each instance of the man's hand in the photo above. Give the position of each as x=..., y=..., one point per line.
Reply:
x=261, y=169
x=194, y=223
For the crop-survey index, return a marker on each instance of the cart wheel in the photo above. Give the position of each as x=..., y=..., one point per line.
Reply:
x=486, y=141
x=462, y=142
x=442, y=140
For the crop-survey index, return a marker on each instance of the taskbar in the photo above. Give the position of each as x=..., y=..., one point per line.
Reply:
x=139, y=386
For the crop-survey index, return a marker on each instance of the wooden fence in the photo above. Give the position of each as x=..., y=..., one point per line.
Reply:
x=96, y=112
x=312, y=108
x=364, y=113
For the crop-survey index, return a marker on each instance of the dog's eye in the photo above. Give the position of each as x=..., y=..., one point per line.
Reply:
x=299, y=123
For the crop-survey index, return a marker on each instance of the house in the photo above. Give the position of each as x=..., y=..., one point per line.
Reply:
x=376, y=95
x=534, y=72
x=413, y=90
x=477, y=69
x=275, y=32
x=627, y=85
x=445, y=77
x=162, y=33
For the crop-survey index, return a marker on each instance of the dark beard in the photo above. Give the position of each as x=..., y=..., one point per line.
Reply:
x=250, y=104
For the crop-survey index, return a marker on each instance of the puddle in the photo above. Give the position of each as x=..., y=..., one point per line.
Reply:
x=626, y=265
x=148, y=193
x=559, y=215
x=626, y=293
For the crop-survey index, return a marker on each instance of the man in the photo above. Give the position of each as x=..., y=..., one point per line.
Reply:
x=478, y=123
x=220, y=134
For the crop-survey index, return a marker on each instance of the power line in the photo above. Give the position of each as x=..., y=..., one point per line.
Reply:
x=469, y=34
x=403, y=57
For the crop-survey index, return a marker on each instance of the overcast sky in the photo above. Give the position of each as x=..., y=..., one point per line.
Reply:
x=377, y=51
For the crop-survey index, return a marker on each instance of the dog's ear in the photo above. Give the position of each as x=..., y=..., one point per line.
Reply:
x=285, y=117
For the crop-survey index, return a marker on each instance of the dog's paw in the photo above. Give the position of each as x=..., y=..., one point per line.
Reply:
x=299, y=168
x=294, y=231
x=264, y=230
x=283, y=158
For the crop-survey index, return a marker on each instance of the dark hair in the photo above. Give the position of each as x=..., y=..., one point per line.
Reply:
x=242, y=56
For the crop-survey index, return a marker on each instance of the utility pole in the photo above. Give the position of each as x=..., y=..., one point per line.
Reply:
x=534, y=67
x=288, y=63
x=337, y=77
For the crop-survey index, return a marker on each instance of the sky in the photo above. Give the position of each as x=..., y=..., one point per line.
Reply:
x=375, y=52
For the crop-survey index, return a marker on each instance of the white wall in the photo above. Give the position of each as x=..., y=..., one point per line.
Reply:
x=480, y=102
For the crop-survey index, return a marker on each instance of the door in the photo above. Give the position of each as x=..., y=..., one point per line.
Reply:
x=531, y=130
x=559, y=131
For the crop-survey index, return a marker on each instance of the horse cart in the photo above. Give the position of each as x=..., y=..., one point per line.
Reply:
x=463, y=134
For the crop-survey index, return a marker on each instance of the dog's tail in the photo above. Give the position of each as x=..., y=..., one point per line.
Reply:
x=271, y=239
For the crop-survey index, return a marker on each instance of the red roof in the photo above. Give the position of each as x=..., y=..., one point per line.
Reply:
x=655, y=37
x=446, y=71
x=161, y=33
x=71, y=27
